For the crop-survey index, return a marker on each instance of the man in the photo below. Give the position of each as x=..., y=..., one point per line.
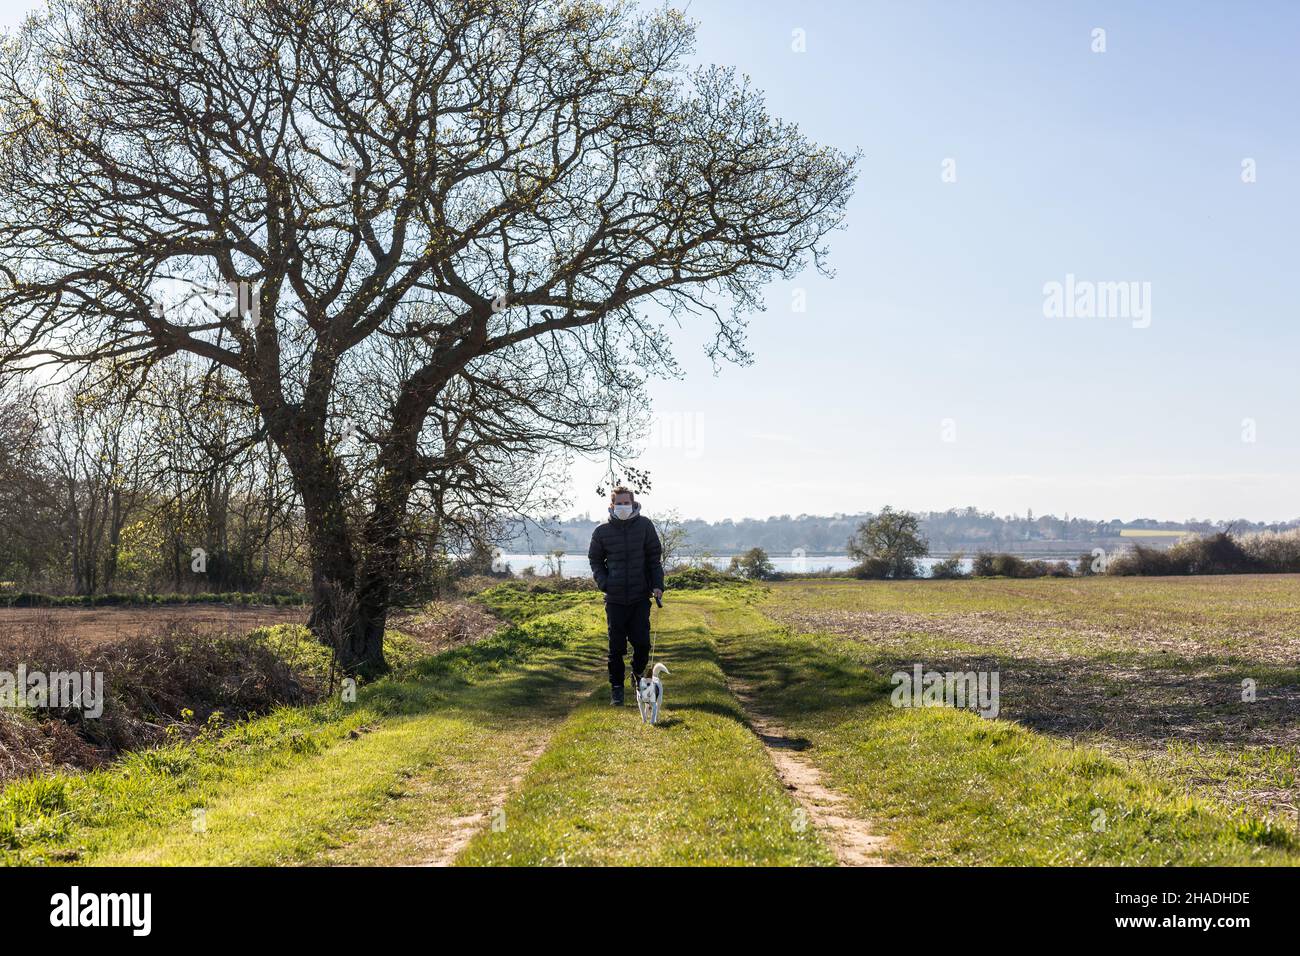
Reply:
x=627, y=563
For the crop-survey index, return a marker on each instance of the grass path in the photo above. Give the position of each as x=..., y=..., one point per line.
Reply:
x=436, y=813
x=852, y=839
x=398, y=794
x=697, y=788
x=508, y=753
x=334, y=783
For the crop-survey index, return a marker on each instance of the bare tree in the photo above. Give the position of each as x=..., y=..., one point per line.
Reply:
x=28, y=543
x=216, y=481
x=450, y=232
x=93, y=442
x=673, y=536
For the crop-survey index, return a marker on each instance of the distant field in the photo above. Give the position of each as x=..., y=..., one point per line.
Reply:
x=1138, y=533
x=1149, y=669
x=96, y=625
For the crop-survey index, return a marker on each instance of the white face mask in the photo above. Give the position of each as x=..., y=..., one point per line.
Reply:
x=622, y=512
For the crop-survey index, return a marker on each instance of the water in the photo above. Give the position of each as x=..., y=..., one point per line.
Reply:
x=576, y=566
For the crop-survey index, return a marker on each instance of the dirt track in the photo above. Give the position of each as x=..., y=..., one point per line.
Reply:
x=96, y=625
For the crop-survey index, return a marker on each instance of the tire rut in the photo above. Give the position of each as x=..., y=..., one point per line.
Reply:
x=850, y=838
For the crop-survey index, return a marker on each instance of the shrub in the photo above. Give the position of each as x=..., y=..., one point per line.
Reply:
x=557, y=585
x=34, y=746
x=525, y=584
x=1211, y=554
x=1277, y=551
x=694, y=579
x=156, y=688
x=1140, y=559
x=989, y=565
x=1218, y=553
x=872, y=569
x=115, y=599
x=476, y=584
x=948, y=568
x=1086, y=560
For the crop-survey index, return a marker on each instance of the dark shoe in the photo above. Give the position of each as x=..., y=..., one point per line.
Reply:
x=616, y=695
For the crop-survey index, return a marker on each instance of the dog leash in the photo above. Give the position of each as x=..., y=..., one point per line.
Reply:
x=654, y=637
x=649, y=671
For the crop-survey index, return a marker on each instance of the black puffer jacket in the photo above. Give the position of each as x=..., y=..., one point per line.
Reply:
x=627, y=559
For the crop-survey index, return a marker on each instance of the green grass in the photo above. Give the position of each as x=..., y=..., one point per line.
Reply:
x=295, y=645
x=949, y=787
x=395, y=776
x=1150, y=670
x=298, y=784
x=695, y=789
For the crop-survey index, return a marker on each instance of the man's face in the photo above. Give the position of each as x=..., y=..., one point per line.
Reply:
x=623, y=498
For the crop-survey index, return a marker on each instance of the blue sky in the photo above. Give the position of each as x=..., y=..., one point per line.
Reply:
x=1117, y=166
x=926, y=375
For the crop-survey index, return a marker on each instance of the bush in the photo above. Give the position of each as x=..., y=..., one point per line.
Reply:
x=476, y=584
x=1277, y=551
x=695, y=579
x=989, y=565
x=34, y=746
x=555, y=585
x=948, y=568
x=872, y=569
x=1212, y=554
x=180, y=681
x=1086, y=568
x=1140, y=559
x=1218, y=553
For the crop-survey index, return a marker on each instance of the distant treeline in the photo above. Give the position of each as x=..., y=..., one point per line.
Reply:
x=965, y=529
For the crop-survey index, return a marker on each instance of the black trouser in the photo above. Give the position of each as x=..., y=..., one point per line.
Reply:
x=628, y=622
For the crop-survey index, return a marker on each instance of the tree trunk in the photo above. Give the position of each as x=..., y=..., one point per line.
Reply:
x=344, y=619
x=116, y=520
x=346, y=615
x=352, y=596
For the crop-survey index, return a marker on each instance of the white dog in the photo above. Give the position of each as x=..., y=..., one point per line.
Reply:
x=650, y=694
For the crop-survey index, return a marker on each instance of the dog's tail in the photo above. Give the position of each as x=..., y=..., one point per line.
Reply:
x=660, y=669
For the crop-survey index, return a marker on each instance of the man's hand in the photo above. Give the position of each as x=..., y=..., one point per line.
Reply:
x=658, y=593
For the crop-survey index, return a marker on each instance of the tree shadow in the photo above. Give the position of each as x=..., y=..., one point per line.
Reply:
x=490, y=688
x=783, y=741
x=1148, y=699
